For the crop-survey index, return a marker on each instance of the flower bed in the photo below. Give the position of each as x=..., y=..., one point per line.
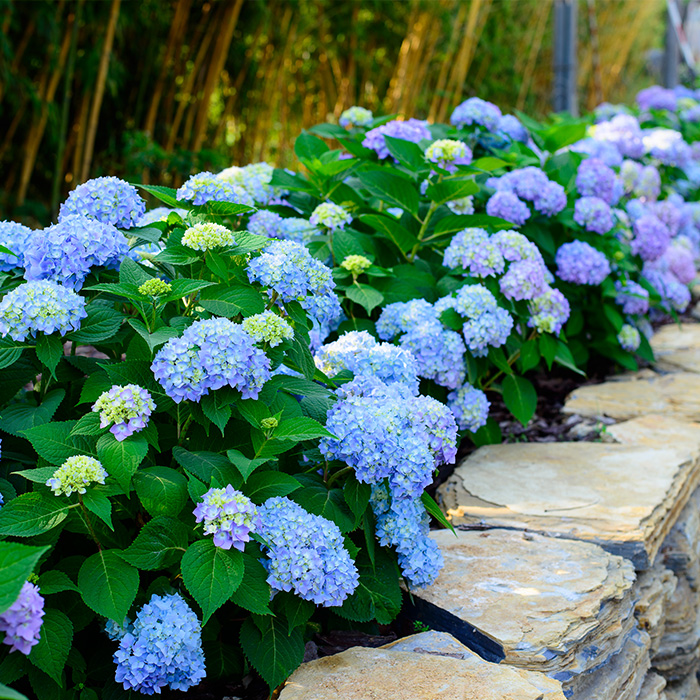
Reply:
x=221, y=415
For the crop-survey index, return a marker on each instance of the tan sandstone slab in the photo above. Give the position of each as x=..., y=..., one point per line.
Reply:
x=622, y=497
x=677, y=347
x=384, y=674
x=674, y=395
x=558, y=606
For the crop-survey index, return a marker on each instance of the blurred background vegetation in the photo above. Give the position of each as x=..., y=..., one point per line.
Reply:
x=153, y=90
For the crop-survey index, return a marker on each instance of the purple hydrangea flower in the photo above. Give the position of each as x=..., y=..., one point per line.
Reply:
x=128, y=407
x=476, y=111
x=305, y=554
x=674, y=295
x=469, y=406
x=624, y=132
x=603, y=150
x=414, y=130
x=657, y=97
x=107, y=199
x=527, y=182
x=511, y=127
x=593, y=214
x=668, y=147
x=228, y=515
x=632, y=297
x=595, y=179
x=22, y=621
x=580, y=263
x=549, y=312
x=17, y=238
x=680, y=261
x=525, y=279
x=266, y=223
x=551, y=199
x=473, y=251
x=206, y=187
x=507, y=205
x=651, y=237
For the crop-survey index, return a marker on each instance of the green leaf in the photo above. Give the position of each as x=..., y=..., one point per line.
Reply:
x=101, y=324
x=488, y=164
x=217, y=265
x=392, y=230
x=211, y=574
x=564, y=358
x=392, y=189
x=272, y=650
x=217, y=408
x=562, y=135
x=357, y=496
x=9, y=694
x=407, y=153
x=230, y=301
x=17, y=561
x=130, y=272
x=489, y=434
x=290, y=181
x=299, y=357
x=9, y=353
x=296, y=610
x=364, y=295
x=184, y=287
x=614, y=316
x=207, y=466
x=226, y=208
x=121, y=458
x=49, y=350
x=318, y=499
x=455, y=223
x=89, y=424
x=31, y=514
x=98, y=503
x=301, y=428
x=529, y=355
x=51, y=582
x=18, y=417
x=52, y=441
x=159, y=545
x=520, y=397
x=157, y=338
x=161, y=490
x=244, y=465
x=263, y=485
x=39, y=475
x=308, y=147
x=446, y=191
x=254, y=592
x=108, y=584
x=434, y=510
x=548, y=348
x=167, y=195
x=55, y=641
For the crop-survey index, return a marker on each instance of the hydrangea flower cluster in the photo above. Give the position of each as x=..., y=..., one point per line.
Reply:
x=651, y=237
x=581, y=263
x=22, y=621
x=42, y=306
x=385, y=432
x=510, y=126
x=66, y=251
x=657, y=97
x=14, y=237
x=287, y=269
x=632, y=297
x=469, y=406
x=549, y=312
x=306, y=554
x=508, y=206
x=229, y=515
x=641, y=181
x=299, y=230
x=210, y=354
x=206, y=187
x=629, y=338
x=603, y=150
x=448, y=154
x=361, y=354
x=266, y=223
x=475, y=251
x=330, y=216
x=76, y=474
x=128, y=407
x=268, y=327
x=463, y=206
x=107, y=199
x=679, y=260
x=595, y=179
x=476, y=111
x=404, y=524
x=356, y=264
x=207, y=236
x=162, y=649
x=675, y=296
x=158, y=214
x=155, y=287
x=593, y=214
x=667, y=146
x=414, y=130
x=623, y=132
x=355, y=116
x=254, y=179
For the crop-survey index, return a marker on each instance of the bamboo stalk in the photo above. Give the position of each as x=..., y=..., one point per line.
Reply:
x=535, y=45
x=99, y=89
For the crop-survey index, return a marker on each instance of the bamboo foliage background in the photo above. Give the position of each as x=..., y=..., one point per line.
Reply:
x=156, y=89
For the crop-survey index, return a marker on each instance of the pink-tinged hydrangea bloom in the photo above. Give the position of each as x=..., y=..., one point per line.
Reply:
x=127, y=407
x=22, y=621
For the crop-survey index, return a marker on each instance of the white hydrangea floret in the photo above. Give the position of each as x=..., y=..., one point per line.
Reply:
x=207, y=236
x=268, y=327
x=331, y=216
x=76, y=474
x=356, y=264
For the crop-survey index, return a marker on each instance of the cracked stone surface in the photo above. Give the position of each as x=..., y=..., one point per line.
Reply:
x=654, y=591
x=687, y=689
x=653, y=687
x=361, y=673
x=625, y=498
x=677, y=347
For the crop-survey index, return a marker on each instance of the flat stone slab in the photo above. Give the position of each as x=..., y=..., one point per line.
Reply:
x=623, y=497
x=677, y=347
x=672, y=395
x=384, y=674
x=561, y=607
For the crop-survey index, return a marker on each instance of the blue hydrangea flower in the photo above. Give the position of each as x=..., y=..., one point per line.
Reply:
x=163, y=648
x=622, y=131
x=22, y=621
x=510, y=126
x=632, y=297
x=629, y=338
x=76, y=474
x=405, y=525
x=402, y=316
x=674, y=295
x=603, y=150
x=527, y=183
x=476, y=111
x=360, y=353
x=506, y=205
x=657, y=97
x=551, y=199
x=266, y=223
x=330, y=216
x=448, y=154
x=355, y=116
x=641, y=181
x=17, y=238
x=469, y=406
x=254, y=179
x=66, y=251
x=490, y=329
x=414, y=130
x=595, y=179
x=514, y=246
x=475, y=252
x=669, y=212
x=667, y=146
x=473, y=301
x=305, y=554
x=549, y=312
x=42, y=306
x=594, y=215
x=206, y=187
x=229, y=515
x=107, y=199
x=298, y=230
x=153, y=216
x=525, y=279
x=128, y=407
x=651, y=237
x=384, y=432
x=581, y=263
x=211, y=354
x=268, y=327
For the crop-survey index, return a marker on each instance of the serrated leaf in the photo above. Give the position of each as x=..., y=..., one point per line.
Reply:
x=98, y=503
x=328, y=503
x=161, y=490
x=357, y=496
x=392, y=230
x=211, y=574
x=446, y=191
x=271, y=649
x=254, y=592
x=167, y=195
x=121, y=458
x=158, y=337
x=31, y=514
x=17, y=562
x=159, y=545
x=101, y=324
x=301, y=428
x=434, y=509
x=407, y=153
x=520, y=397
x=89, y=424
x=263, y=485
x=364, y=295
x=455, y=223
x=55, y=641
x=308, y=147
x=108, y=584
x=297, y=611
x=52, y=441
x=392, y=189
x=49, y=350
x=226, y=208
x=244, y=465
x=55, y=581
x=18, y=417
x=230, y=301
x=39, y=475
x=217, y=408
x=207, y=466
